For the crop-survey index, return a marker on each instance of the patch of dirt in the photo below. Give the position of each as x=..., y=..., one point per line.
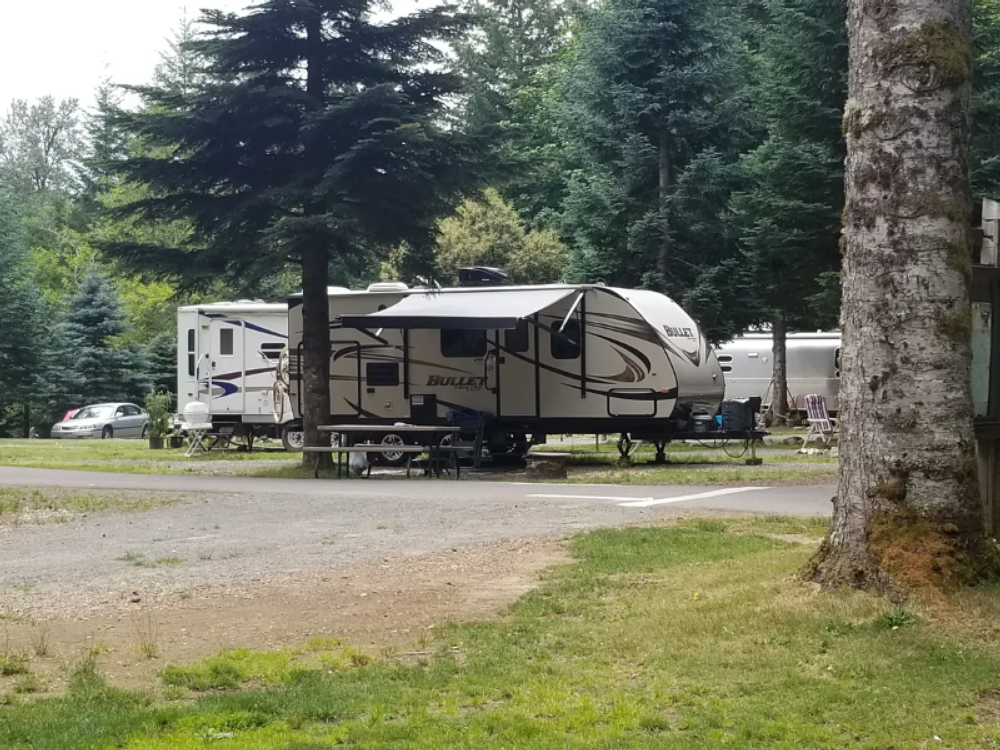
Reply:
x=989, y=707
x=371, y=606
x=797, y=538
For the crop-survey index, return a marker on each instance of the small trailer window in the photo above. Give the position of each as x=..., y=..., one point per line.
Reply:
x=272, y=351
x=382, y=374
x=192, y=351
x=463, y=342
x=226, y=338
x=516, y=339
x=566, y=345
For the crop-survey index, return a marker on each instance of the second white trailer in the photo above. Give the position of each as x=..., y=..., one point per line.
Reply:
x=227, y=358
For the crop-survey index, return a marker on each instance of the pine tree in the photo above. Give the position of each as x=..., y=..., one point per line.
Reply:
x=96, y=365
x=106, y=143
x=317, y=134
x=162, y=355
x=511, y=61
x=181, y=68
x=985, y=137
x=21, y=342
x=787, y=217
x=653, y=117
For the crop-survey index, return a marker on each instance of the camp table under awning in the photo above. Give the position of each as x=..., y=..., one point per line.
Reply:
x=493, y=308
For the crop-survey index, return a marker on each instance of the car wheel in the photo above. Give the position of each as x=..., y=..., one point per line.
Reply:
x=109, y=432
x=145, y=431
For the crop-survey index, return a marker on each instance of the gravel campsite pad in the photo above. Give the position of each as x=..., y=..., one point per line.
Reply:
x=141, y=579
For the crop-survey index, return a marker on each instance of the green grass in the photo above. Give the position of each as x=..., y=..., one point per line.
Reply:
x=691, y=637
x=126, y=456
x=13, y=664
x=21, y=500
x=689, y=464
x=726, y=475
x=139, y=560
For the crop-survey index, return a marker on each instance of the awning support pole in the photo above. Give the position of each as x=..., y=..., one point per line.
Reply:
x=572, y=310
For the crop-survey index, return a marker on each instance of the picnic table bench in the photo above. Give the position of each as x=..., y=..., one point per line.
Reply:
x=432, y=447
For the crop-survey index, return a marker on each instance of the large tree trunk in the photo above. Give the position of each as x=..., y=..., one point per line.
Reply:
x=779, y=371
x=315, y=349
x=315, y=278
x=907, y=512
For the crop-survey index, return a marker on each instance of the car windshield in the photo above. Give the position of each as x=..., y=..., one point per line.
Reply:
x=94, y=412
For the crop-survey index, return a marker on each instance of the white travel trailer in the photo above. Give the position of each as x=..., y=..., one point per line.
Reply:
x=813, y=366
x=531, y=360
x=227, y=357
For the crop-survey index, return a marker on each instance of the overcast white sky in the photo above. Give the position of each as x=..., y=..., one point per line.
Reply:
x=64, y=48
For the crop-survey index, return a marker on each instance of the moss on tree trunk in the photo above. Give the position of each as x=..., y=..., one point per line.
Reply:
x=908, y=512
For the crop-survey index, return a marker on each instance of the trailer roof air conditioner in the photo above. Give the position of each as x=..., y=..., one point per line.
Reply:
x=482, y=276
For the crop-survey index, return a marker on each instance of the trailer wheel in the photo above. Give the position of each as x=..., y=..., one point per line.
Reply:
x=293, y=438
x=390, y=458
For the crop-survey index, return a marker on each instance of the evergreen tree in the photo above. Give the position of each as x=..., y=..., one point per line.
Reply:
x=21, y=342
x=96, y=366
x=181, y=68
x=511, y=60
x=317, y=134
x=653, y=114
x=985, y=139
x=162, y=354
x=787, y=216
x=106, y=143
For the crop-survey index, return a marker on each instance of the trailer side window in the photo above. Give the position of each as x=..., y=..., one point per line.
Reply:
x=566, y=345
x=226, y=339
x=516, y=339
x=191, y=352
x=463, y=342
x=382, y=374
x=272, y=351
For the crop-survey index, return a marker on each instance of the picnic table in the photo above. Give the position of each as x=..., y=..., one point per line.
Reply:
x=431, y=445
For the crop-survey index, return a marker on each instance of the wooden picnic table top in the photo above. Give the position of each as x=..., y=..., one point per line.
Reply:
x=387, y=428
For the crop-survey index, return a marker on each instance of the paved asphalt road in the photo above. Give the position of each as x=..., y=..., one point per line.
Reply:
x=476, y=497
x=275, y=527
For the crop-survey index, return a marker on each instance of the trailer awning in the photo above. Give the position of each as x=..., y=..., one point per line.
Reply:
x=491, y=309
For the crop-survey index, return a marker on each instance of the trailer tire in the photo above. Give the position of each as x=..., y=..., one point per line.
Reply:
x=293, y=438
x=392, y=459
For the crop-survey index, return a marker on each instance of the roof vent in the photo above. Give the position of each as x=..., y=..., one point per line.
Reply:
x=388, y=286
x=482, y=276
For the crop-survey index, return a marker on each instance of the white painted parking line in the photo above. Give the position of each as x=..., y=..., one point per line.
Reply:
x=592, y=497
x=631, y=501
x=646, y=503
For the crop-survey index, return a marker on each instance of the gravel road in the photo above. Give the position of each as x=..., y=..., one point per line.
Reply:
x=258, y=563
x=235, y=533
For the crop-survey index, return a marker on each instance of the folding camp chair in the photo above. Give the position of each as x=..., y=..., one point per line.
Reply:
x=821, y=425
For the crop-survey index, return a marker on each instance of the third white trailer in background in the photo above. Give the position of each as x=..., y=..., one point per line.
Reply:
x=813, y=366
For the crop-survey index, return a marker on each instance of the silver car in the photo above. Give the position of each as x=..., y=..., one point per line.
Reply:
x=121, y=420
